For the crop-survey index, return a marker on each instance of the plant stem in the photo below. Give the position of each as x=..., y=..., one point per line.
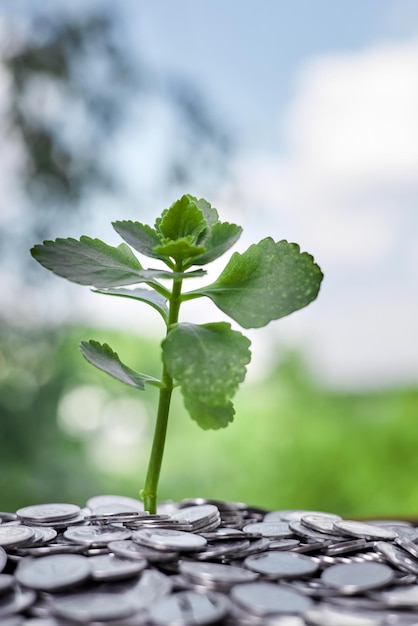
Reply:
x=149, y=493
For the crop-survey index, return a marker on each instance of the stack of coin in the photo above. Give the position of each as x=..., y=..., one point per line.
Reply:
x=203, y=562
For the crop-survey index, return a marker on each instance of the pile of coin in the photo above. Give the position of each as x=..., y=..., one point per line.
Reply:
x=202, y=562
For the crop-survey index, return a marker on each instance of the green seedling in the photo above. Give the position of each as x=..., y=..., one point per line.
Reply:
x=207, y=361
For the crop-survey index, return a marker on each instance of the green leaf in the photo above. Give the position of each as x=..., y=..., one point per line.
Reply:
x=210, y=214
x=180, y=249
x=209, y=363
x=209, y=416
x=93, y=262
x=103, y=357
x=89, y=261
x=183, y=218
x=149, y=296
x=221, y=237
x=151, y=274
x=268, y=281
x=141, y=237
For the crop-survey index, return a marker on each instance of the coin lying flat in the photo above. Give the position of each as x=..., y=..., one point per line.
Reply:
x=110, y=567
x=364, y=531
x=323, y=523
x=197, y=516
x=306, y=532
x=222, y=549
x=53, y=572
x=216, y=573
x=113, y=504
x=269, y=529
x=131, y=550
x=329, y=616
x=98, y=535
x=11, y=536
x=48, y=512
x=265, y=598
x=188, y=608
x=353, y=578
x=167, y=539
x=93, y=606
x=281, y=564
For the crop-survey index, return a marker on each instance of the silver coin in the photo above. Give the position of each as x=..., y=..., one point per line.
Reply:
x=408, y=546
x=151, y=587
x=266, y=598
x=397, y=557
x=407, y=532
x=364, y=531
x=11, y=536
x=188, y=608
x=16, y=602
x=126, y=516
x=53, y=572
x=308, y=533
x=160, y=523
x=52, y=548
x=6, y=583
x=347, y=547
x=167, y=539
x=224, y=534
x=92, y=606
x=224, y=575
x=312, y=547
x=41, y=536
x=323, y=523
x=48, y=512
x=110, y=567
x=289, y=515
x=7, y=517
x=196, y=514
x=255, y=547
x=19, y=620
x=329, y=616
x=57, y=524
x=114, y=504
x=357, y=577
x=222, y=549
x=281, y=564
x=310, y=587
x=283, y=544
x=399, y=597
x=97, y=535
x=222, y=505
x=131, y=550
x=3, y=559
x=269, y=529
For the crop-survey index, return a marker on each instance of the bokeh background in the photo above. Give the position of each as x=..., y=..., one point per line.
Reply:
x=297, y=120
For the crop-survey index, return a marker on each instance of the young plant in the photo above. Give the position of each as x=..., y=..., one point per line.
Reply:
x=207, y=361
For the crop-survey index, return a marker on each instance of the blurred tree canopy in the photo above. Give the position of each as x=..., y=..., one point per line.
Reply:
x=68, y=429
x=73, y=82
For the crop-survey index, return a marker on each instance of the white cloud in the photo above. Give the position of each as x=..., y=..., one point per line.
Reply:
x=346, y=187
x=355, y=117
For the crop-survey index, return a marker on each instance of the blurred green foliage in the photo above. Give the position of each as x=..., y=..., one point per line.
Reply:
x=68, y=431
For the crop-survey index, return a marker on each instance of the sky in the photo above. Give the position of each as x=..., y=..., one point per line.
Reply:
x=322, y=98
